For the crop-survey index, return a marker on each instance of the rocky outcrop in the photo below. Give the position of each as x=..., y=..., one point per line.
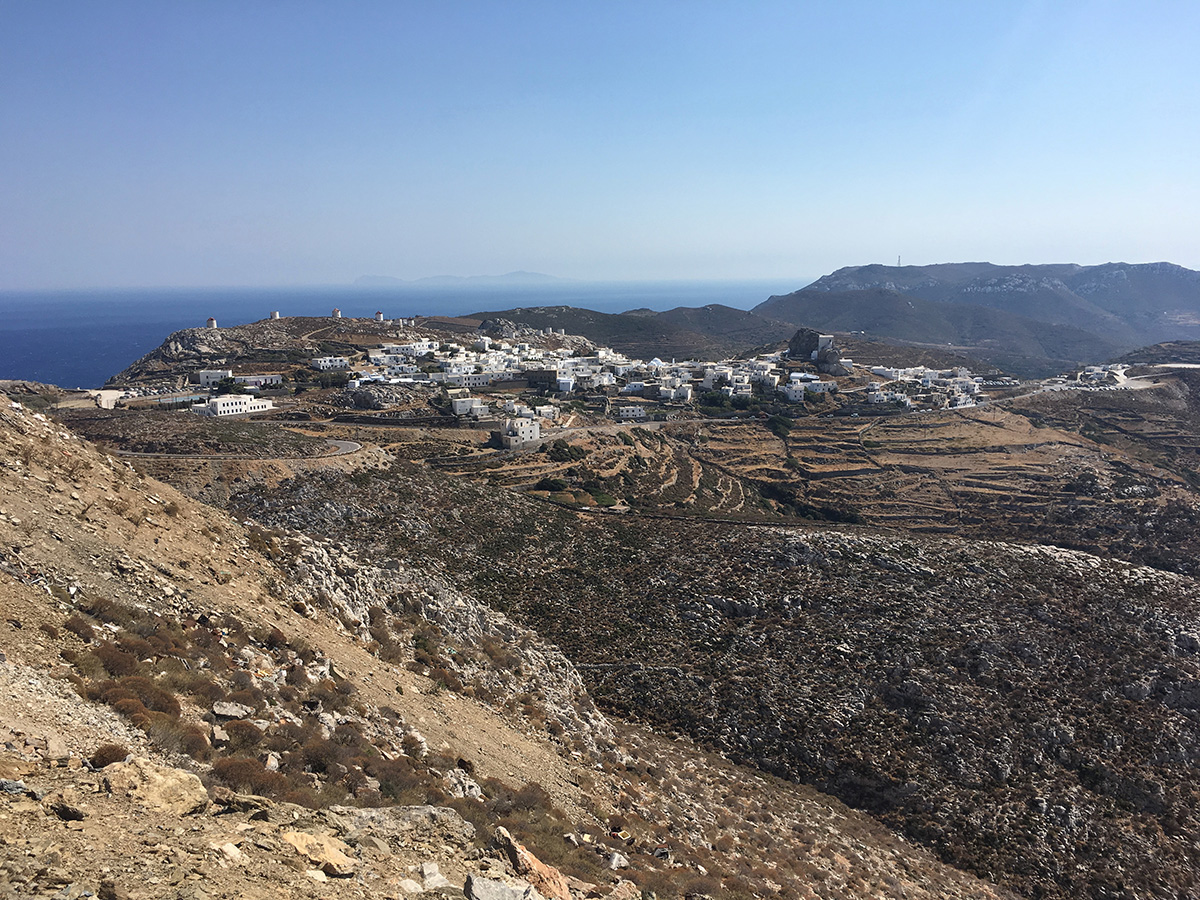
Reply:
x=157, y=787
x=326, y=853
x=546, y=879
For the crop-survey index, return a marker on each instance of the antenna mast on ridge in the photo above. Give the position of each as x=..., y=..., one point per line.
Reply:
x=897, y=260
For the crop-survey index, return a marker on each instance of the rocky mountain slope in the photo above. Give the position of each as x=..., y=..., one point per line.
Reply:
x=1026, y=712
x=197, y=707
x=1124, y=303
x=1016, y=343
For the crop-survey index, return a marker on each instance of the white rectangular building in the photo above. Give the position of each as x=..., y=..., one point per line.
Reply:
x=233, y=405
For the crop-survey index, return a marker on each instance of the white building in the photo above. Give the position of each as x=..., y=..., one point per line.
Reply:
x=210, y=377
x=329, y=363
x=258, y=380
x=232, y=405
x=520, y=432
x=631, y=412
x=469, y=406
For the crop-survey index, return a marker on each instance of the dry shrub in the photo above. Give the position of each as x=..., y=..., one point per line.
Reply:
x=136, y=646
x=271, y=638
x=251, y=697
x=49, y=630
x=202, y=686
x=245, y=774
x=182, y=737
x=107, y=754
x=79, y=626
x=116, y=661
x=242, y=734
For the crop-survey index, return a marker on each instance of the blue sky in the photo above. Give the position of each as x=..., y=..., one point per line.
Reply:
x=273, y=143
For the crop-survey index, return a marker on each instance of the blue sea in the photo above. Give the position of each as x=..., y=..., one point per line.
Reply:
x=81, y=338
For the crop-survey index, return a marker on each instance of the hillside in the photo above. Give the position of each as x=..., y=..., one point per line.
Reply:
x=1025, y=712
x=298, y=715
x=1012, y=342
x=1171, y=352
x=1119, y=302
x=707, y=332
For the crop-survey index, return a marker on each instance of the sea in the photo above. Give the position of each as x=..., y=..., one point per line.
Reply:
x=79, y=339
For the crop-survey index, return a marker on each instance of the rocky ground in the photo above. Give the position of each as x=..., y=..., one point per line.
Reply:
x=185, y=434
x=194, y=706
x=1025, y=711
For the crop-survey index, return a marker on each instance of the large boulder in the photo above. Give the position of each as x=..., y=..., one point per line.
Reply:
x=478, y=888
x=329, y=854
x=547, y=879
x=157, y=787
x=406, y=825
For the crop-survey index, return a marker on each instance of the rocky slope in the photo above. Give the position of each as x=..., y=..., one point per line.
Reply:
x=299, y=716
x=1028, y=713
x=1128, y=304
x=1022, y=344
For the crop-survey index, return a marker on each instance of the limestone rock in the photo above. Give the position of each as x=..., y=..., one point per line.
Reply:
x=228, y=710
x=624, y=890
x=432, y=877
x=431, y=823
x=478, y=888
x=547, y=879
x=460, y=784
x=327, y=852
x=161, y=788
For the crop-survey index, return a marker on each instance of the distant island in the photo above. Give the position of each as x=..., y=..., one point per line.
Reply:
x=510, y=278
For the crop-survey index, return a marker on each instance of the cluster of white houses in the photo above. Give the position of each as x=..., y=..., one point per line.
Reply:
x=938, y=388
x=497, y=364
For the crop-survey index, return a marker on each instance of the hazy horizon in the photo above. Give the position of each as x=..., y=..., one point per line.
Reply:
x=220, y=144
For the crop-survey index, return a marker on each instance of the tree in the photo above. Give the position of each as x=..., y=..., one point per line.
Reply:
x=229, y=386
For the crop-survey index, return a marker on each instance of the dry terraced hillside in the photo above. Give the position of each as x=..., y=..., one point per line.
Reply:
x=197, y=707
x=1027, y=712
